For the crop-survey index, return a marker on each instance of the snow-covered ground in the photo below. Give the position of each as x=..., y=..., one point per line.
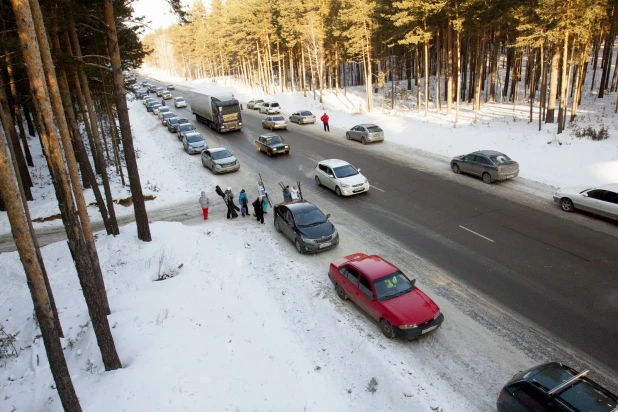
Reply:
x=544, y=156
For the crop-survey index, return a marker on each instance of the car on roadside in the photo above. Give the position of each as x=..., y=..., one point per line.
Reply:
x=600, y=200
x=172, y=124
x=140, y=94
x=148, y=99
x=153, y=105
x=180, y=102
x=181, y=129
x=275, y=122
x=340, y=176
x=220, y=160
x=160, y=91
x=365, y=133
x=490, y=165
x=161, y=111
x=152, y=88
x=170, y=87
x=270, y=108
x=193, y=143
x=555, y=387
x=166, y=116
x=306, y=226
x=144, y=83
x=386, y=294
x=255, y=104
x=302, y=117
x=157, y=107
x=166, y=95
x=271, y=144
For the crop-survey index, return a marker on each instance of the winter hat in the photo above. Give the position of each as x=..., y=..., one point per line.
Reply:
x=229, y=188
x=242, y=191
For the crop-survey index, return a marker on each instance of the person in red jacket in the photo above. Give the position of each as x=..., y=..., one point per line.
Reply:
x=324, y=120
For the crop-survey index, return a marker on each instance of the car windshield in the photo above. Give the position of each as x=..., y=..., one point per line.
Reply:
x=194, y=138
x=173, y=120
x=374, y=129
x=186, y=127
x=277, y=118
x=179, y=99
x=159, y=88
x=311, y=217
x=183, y=120
x=273, y=140
x=168, y=115
x=499, y=158
x=306, y=113
x=222, y=154
x=585, y=397
x=393, y=285
x=229, y=109
x=345, y=171
x=164, y=109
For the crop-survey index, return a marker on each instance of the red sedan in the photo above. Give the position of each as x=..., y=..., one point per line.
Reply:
x=386, y=294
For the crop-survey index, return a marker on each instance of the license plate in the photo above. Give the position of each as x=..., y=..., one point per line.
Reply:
x=429, y=329
x=359, y=190
x=323, y=245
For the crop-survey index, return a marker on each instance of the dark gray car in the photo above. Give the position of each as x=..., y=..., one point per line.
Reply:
x=166, y=116
x=172, y=124
x=365, y=133
x=487, y=164
x=184, y=128
x=306, y=226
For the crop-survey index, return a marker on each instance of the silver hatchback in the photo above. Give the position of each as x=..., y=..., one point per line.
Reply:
x=275, y=122
x=365, y=133
x=219, y=160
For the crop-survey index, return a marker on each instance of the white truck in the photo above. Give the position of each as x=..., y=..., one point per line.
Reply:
x=221, y=112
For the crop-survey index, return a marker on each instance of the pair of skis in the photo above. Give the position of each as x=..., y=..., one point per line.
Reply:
x=270, y=203
x=300, y=192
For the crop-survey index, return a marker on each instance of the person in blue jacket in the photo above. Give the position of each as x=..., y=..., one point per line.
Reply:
x=243, y=201
x=163, y=102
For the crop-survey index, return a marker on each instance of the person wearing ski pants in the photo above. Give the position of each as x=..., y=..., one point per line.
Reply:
x=204, y=203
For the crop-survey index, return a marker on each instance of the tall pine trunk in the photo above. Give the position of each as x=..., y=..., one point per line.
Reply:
x=553, y=84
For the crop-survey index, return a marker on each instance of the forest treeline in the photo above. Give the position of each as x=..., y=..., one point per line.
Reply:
x=64, y=74
x=536, y=51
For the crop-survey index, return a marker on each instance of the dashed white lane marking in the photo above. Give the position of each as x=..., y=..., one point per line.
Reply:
x=478, y=234
x=377, y=188
x=312, y=159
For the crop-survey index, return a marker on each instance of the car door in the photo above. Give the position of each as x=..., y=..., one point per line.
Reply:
x=207, y=159
x=612, y=199
x=288, y=224
x=595, y=202
x=353, y=133
x=483, y=164
x=366, y=298
x=466, y=163
x=184, y=142
x=295, y=117
x=330, y=178
x=350, y=282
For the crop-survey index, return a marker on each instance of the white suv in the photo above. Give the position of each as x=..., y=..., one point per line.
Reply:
x=270, y=108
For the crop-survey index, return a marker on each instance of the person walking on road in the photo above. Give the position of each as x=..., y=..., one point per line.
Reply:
x=204, y=203
x=231, y=207
x=257, y=208
x=324, y=120
x=243, y=201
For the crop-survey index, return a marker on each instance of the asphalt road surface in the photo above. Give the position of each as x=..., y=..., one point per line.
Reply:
x=561, y=275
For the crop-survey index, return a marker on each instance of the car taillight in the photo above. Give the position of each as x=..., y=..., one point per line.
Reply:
x=304, y=118
x=498, y=169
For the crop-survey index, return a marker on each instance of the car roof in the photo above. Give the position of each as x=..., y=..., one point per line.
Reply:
x=299, y=207
x=373, y=266
x=269, y=134
x=487, y=152
x=178, y=97
x=193, y=134
x=334, y=162
x=368, y=125
x=217, y=149
x=613, y=187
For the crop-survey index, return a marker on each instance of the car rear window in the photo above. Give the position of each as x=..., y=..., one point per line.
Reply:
x=179, y=99
x=183, y=120
x=277, y=118
x=306, y=113
x=500, y=158
x=374, y=129
x=585, y=397
x=274, y=105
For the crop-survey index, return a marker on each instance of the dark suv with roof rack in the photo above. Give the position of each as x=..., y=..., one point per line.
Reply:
x=554, y=387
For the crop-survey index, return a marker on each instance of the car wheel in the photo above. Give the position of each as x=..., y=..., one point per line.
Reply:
x=566, y=204
x=203, y=164
x=387, y=329
x=347, y=136
x=299, y=248
x=277, y=228
x=363, y=140
x=338, y=191
x=257, y=147
x=269, y=153
x=341, y=293
x=456, y=169
x=487, y=178
x=317, y=181
x=271, y=128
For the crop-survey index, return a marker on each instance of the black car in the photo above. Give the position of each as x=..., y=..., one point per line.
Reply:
x=305, y=225
x=554, y=387
x=181, y=129
x=271, y=144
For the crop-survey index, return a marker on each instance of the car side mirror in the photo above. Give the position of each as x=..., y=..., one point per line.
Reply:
x=329, y=175
x=328, y=215
x=585, y=194
x=359, y=170
x=413, y=282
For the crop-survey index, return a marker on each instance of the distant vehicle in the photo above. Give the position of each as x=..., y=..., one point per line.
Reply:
x=254, y=104
x=275, y=122
x=386, y=294
x=180, y=102
x=170, y=87
x=152, y=106
x=161, y=110
x=166, y=95
x=166, y=116
x=159, y=91
x=152, y=88
x=602, y=200
x=271, y=144
x=173, y=123
x=181, y=129
x=144, y=83
x=193, y=142
x=220, y=112
x=155, y=108
x=488, y=164
x=220, y=160
x=306, y=226
x=341, y=177
x=302, y=117
x=555, y=387
x=148, y=99
x=140, y=94
x=365, y=133
x=270, y=108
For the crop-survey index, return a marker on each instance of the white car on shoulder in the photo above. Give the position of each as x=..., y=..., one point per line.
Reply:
x=180, y=102
x=601, y=200
x=340, y=176
x=270, y=108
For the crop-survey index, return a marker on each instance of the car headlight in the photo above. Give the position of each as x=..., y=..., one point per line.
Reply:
x=307, y=240
x=437, y=314
x=335, y=234
x=366, y=181
x=240, y=123
x=404, y=327
x=344, y=185
x=274, y=149
x=217, y=165
x=286, y=147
